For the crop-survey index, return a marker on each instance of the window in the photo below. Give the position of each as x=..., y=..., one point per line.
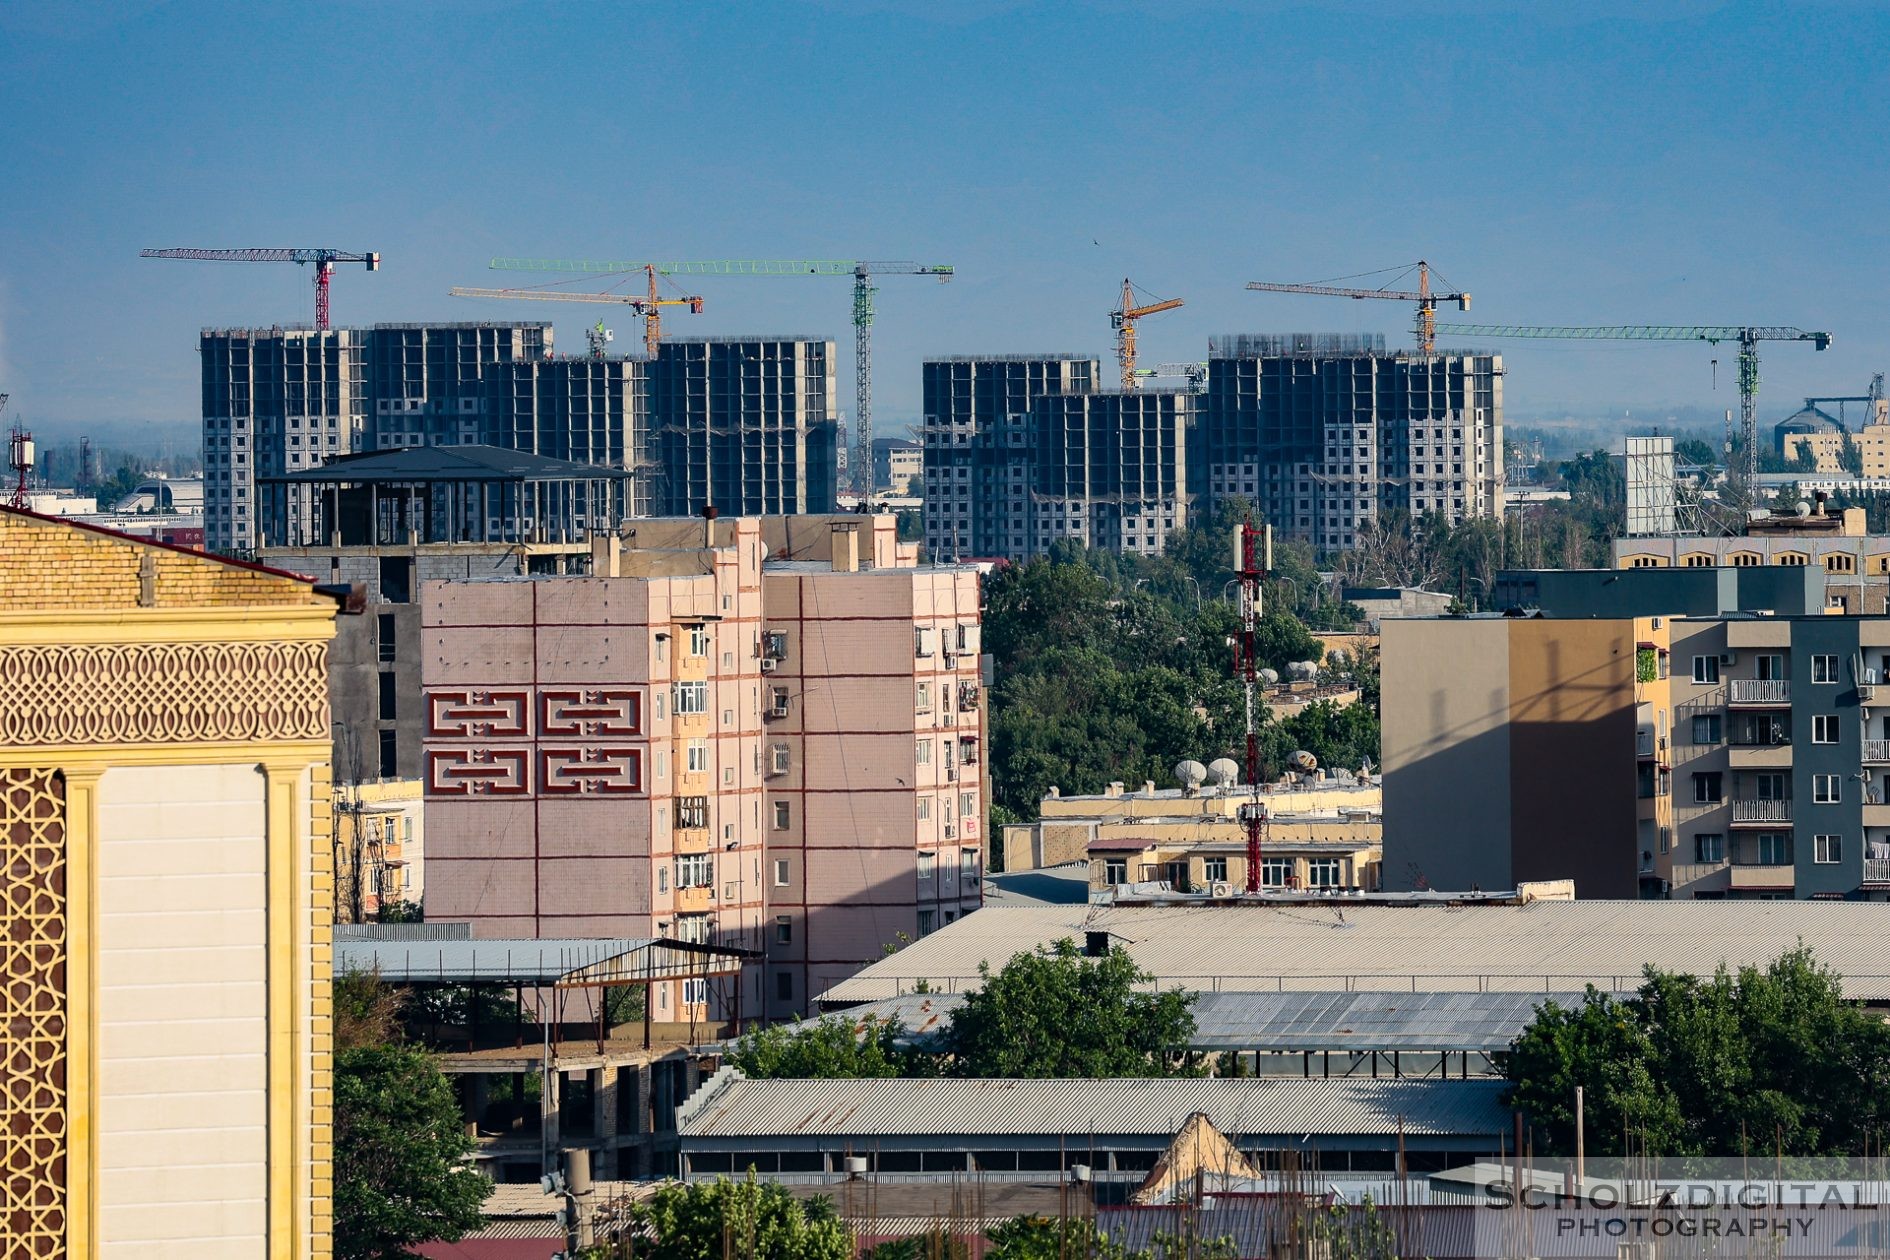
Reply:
x=967, y=804
x=692, y=811
x=1791, y=558
x=928, y=921
x=662, y=879
x=698, y=752
x=1775, y=848
x=695, y=992
x=1214, y=870
x=922, y=640
x=1770, y=787
x=1705, y=670
x=693, y=928
x=1706, y=788
x=396, y=579
x=780, y=873
x=1276, y=872
x=1824, y=669
x=1706, y=729
x=1115, y=870
x=1709, y=846
x=1826, y=789
x=784, y=986
x=780, y=815
x=777, y=702
x=1827, y=850
x=1824, y=728
x=384, y=632
x=1770, y=666
x=783, y=930
x=692, y=698
x=922, y=752
x=924, y=701
x=1322, y=873
x=389, y=755
x=695, y=870
x=968, y=864
x=779, y=758
x=698, y=640
x=928, y=866
x=1839, y=562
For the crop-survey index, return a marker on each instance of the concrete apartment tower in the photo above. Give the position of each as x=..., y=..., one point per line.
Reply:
x=583, y=409
x=760, y=733
x=164, y=817
x=428, y=383
x=748, y=425
x=1109, y=470
x=1326, y=434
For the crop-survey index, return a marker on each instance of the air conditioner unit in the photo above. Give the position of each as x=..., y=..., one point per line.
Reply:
x=1221, y=888
x=769, y=664
x=1729, y=658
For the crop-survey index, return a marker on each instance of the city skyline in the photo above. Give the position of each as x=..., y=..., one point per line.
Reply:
x=1614, y=168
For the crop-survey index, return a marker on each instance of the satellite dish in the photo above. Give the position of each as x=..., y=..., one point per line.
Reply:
x=1802, y=508
x=1269, y=676
x=1303, y=761
x=1223, y=772
x=1190, y=774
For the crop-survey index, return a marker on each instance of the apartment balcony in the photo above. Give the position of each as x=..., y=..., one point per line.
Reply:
x=1877, y=870
x=697, y=898
x=1748, y=877
x=1768, y=755
x=1761, y=813
x=1877, y=752
x=1759, y=693
x=1644, y=743
x=1690, y=879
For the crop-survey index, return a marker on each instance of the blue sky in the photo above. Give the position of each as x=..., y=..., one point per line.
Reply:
x=1665, y=162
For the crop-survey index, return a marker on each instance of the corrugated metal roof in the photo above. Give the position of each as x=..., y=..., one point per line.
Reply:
x=731, y=1105
x=1294, y=1022
x=1541, y=947
x=532, y=962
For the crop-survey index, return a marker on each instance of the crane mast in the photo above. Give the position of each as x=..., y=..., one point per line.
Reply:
x=1123, y=319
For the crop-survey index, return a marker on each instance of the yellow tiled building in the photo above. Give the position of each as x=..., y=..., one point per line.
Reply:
x=164, y=813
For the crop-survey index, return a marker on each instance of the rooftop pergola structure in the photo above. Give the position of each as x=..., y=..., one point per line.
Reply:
x=441, y=494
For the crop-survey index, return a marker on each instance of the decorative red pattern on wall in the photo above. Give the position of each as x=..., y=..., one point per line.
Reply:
x=593, y=712
x=581, y=771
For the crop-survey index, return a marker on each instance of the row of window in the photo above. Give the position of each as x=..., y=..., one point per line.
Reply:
x=1709, y=728
x=1274, y=872
x=1770, y=667
x=1834, y=561
x=1826, y=789
x=1770, y=848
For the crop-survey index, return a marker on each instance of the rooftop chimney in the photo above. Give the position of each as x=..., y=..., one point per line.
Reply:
x=606, y=555
x=846, y=547
x=708, y=524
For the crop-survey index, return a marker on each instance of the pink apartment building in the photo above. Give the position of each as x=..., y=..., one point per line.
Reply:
x=758, y=732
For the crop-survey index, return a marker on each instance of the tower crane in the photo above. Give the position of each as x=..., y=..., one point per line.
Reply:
x=1747, y=336
x=324, y=261
x=1426, y=324
x=648, y=306
x=1194, y=373
x=860, y=450
x=1123, y=320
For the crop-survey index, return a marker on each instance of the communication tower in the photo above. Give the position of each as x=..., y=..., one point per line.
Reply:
x=1253, y=561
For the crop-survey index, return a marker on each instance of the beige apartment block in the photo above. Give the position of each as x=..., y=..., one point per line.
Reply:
x=761, y=733
x=164, y=814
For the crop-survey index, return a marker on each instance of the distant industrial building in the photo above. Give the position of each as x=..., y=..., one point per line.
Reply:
x=763, y=733
x=898, y=465
x=1328, y=434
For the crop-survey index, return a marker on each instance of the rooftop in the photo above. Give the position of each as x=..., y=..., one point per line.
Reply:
x=565, y=963
x=447, y=463
x=1414, y=945
x=729, y=1105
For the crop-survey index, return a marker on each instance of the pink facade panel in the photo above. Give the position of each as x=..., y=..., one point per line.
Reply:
x=602, y=828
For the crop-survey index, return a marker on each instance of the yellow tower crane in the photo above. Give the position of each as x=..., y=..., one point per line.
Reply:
x=1426, y=325
x=1123, y=319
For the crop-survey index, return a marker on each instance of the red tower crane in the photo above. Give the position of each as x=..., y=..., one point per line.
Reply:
x=324, y=261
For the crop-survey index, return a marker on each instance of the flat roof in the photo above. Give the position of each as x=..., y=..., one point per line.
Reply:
x=446, y=463
x=1296, y=1023
x=561, y=963
x=729, y=1105
x=1433, y=945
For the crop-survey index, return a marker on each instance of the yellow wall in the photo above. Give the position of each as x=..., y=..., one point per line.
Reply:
x=163, y=806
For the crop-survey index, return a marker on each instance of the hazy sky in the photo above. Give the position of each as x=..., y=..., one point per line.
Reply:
x=1642, y=162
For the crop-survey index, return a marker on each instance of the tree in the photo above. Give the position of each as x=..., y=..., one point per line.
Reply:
x=748, y=1218
x=827, y=1048
x=402, y=1157
x=1071, y=1238
x=936, y=1243
x=1690, y=1066
x=1054, y=1012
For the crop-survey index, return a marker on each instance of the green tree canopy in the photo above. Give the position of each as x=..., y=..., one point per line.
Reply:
x=826, y=1048
x=1053, y=1012
x=403, y=1171
x=1772, y=1059
x=706, y=1220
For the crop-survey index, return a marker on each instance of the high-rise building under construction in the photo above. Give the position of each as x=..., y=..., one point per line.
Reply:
x=1328, y=434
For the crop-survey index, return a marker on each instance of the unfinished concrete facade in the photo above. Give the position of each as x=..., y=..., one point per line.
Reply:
x=764, y=733
x=587, y=410
x=1109, y=470
x=1327, y=434
x=429, y=382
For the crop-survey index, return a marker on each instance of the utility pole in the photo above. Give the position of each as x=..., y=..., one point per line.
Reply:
x=1253, y=561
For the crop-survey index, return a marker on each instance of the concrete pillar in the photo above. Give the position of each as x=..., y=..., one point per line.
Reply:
x=548, y=1109
x=477, y=1098
x=644, y=1085
x=604, y=1082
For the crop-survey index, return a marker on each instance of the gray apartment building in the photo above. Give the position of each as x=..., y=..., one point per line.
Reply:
x=1109, y=469
x=1326, y=433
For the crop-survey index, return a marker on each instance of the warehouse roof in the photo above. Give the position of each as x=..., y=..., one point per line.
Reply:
x=567, y=963
x=447, y=463
x=1298, y=1022
x=729, y=1105
x=1325, y=946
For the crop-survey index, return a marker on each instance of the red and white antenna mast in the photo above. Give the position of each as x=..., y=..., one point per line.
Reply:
x=1253, y=561
x=20, y=459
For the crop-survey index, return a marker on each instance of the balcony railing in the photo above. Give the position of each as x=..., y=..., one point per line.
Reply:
x=1876, y=751
x=1877, y=870
x=1758, y=691
x=1643, y=744
x=1762, y=811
